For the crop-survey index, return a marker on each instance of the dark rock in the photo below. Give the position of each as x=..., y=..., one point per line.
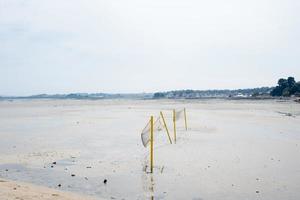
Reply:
x=54, y=163
x=105, y=181
x=59, y=185
x=72, y=175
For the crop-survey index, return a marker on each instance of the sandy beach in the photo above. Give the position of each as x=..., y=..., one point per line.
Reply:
x=81, y=149
x=24, y=191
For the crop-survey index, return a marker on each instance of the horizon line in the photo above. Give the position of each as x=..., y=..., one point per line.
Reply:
x=133, y=93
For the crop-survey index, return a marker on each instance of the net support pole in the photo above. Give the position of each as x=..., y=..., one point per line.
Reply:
x=151, y=144
x=185, y=119
x=165, y=124
x=174, y=123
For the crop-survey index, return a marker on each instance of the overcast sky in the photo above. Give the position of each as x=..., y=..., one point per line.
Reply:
x=58, y=46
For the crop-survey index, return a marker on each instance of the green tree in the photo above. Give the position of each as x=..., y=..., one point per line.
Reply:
x=291, y=81
x=158, y=95
x=286, y=87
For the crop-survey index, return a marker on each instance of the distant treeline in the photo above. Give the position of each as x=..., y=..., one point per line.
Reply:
x=192, y=94
x=286, y=87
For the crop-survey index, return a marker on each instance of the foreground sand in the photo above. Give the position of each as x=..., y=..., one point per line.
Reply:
x=23, y=191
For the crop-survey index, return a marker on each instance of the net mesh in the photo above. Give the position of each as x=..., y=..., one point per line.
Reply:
x=145, y=135
x=179, y=114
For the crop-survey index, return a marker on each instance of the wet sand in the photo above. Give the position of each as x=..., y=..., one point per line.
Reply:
x=232, y=150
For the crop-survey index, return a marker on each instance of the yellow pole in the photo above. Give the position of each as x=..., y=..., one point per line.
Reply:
x=174, y=122
x=151, y=144
x=185, y=119
x=164, y=121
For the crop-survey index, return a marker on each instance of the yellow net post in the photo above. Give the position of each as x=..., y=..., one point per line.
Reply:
x=185, y=119
x=174, y=123
x=164, y=121
x=151, y=144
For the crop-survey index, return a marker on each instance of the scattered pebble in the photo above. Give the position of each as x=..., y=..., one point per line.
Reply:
x=72, y=175
x=88, y=167
x=86, y=178
x=256, y=191
x=54, y=163
x=6, y=170
x=105, y=181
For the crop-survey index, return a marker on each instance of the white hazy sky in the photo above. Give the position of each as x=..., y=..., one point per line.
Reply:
x=62, y=46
